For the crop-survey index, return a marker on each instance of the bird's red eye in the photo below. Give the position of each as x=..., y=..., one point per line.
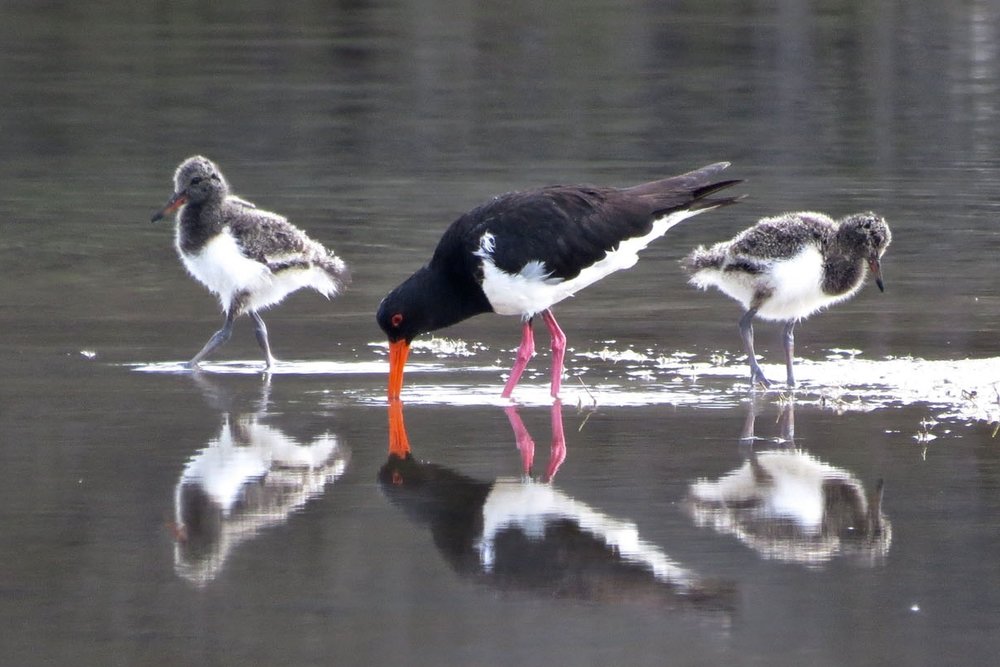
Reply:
x=397, y=319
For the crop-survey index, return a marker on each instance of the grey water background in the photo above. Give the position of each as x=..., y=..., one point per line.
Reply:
x=372, y=126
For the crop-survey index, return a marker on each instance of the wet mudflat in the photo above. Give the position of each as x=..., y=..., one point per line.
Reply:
x=156, y=516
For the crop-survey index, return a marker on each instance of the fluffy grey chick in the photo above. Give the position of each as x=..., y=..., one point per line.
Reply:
x=788, y=267
x=250, y=258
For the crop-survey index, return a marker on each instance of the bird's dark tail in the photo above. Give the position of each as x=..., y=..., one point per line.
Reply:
x=690, y=191
x=702, y=201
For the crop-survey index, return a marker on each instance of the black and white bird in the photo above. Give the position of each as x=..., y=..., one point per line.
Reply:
x=522, y=252
x=250, y=258
x=787, y=267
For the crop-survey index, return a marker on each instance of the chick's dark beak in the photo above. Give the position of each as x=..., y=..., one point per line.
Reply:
x=876, y=267
x=178, y=200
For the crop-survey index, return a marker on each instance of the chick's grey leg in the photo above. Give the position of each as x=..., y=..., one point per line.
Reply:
x=746, y=333
x=260, y=329
x=217, y=340
x=788, y=338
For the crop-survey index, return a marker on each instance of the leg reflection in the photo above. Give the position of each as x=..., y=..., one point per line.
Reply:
x=785, y=420
x=526, y=445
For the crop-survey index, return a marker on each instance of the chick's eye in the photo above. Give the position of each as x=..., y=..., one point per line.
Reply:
x=196, y=180
x=397, y=319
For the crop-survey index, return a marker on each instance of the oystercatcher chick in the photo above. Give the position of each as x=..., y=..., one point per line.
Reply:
x=522, y=252
x=250, y=258
x=786, y=268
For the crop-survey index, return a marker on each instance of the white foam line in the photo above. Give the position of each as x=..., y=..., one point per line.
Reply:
x=957, y=389
x=440, y=347
x=291, y=367
x=966, y=389
x=538, y=395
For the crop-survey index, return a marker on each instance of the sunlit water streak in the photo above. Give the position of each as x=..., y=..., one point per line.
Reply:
x=963, y=390
x=253, y=367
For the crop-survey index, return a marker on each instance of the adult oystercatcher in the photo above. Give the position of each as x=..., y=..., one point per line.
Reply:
x=250, y=258
x=788, y=267
x=522, y=252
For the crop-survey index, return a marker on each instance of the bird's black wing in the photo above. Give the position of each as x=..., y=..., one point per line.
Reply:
x=564, y=228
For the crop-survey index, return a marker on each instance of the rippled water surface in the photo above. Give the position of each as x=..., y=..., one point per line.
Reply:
x=661, y=512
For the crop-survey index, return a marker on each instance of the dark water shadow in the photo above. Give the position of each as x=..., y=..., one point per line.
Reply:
x=250, y=477
x=525, y=535
x=787, y=505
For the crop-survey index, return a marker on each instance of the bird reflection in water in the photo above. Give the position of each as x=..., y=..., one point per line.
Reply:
x=788, y=505
x=523, y=534
x=251, y=476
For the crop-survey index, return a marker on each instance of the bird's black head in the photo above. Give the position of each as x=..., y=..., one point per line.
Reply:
x=404, y=314
x=429, y=300
x=401, y=315
x=868, y=232
x=196, y=181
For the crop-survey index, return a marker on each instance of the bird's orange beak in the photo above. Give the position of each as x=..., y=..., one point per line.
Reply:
x=175, y=203
x=399, y=443
x=398, y=351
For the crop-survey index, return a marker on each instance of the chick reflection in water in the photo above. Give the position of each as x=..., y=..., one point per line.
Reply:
x=523, y=534
x=249, y=477
x=788, y=505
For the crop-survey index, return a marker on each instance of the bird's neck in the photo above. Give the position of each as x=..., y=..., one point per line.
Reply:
x=197, y=224
x=446, y=299
x=842, y=274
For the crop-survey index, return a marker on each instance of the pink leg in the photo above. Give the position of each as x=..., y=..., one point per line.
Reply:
x=558, y=350
x=524, y=354
x=525, y=444
x=557, y=454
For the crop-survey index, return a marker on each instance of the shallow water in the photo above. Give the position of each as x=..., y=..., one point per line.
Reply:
x=155, y=516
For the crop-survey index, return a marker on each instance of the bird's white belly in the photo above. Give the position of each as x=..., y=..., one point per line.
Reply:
x=224, y=270
x=227, y=272
x=525, y=293
x=531, y=290
x=795, y=286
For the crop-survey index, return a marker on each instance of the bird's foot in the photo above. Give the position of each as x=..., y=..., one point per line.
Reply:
x=193, y=366
x=757, y=378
